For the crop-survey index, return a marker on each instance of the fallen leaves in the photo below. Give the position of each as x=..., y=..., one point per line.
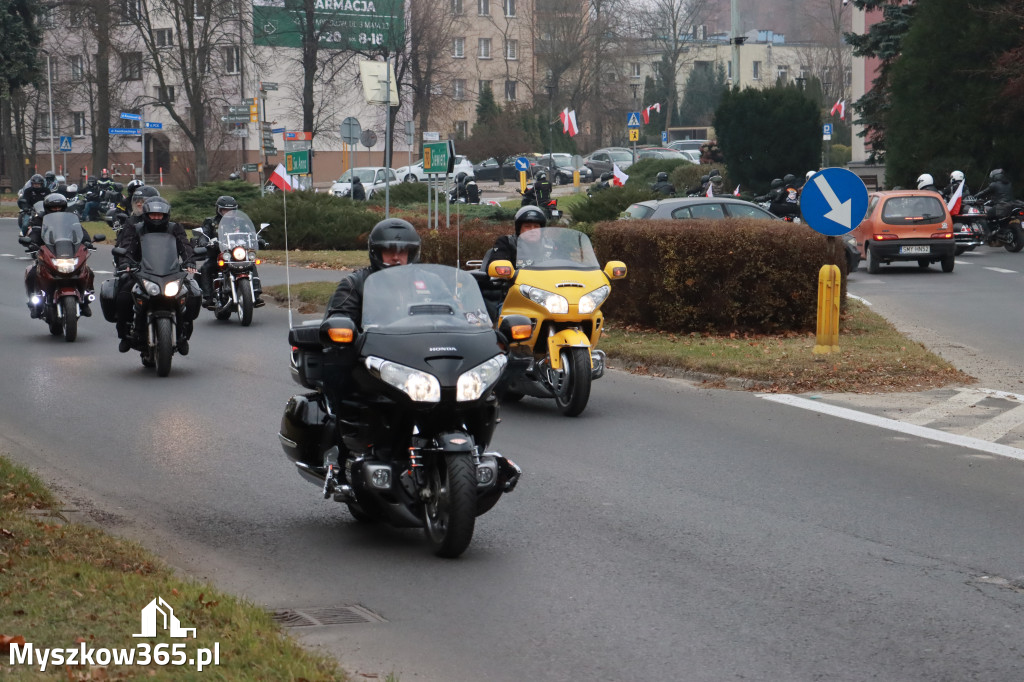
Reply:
x=7, y=641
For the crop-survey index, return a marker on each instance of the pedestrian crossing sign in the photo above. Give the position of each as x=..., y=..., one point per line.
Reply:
x=633, y=119
x=65, y=143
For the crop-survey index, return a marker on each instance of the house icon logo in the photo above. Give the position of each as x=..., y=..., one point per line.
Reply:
x=158, y=611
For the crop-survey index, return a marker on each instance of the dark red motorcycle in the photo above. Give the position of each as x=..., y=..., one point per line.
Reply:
x=60, y=284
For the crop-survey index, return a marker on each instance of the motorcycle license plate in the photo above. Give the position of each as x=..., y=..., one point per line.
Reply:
x=915, y=249
x=555, y=213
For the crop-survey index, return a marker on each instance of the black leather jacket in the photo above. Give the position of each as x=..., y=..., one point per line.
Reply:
x=999, y=191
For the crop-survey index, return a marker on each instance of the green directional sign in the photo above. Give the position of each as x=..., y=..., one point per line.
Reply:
x=340, y=24
x=439, y=157
x=297, y=163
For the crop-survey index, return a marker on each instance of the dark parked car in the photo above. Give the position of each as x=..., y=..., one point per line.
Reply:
x=559, y=168
x=488, y=170
x=601, y=160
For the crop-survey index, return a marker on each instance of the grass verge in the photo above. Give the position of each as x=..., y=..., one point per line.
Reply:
x=67, y=585
x=873, y=355
x=332, y=260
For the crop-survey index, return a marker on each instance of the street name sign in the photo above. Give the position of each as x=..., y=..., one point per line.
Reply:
x=131, y=117
x=297, y=163
x=124, y=131
x=439, y=157
x=358, y=25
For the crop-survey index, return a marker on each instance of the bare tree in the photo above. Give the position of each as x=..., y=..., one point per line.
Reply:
x=428, y=49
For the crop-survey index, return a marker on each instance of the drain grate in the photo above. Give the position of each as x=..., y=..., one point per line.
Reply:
x=330, y=615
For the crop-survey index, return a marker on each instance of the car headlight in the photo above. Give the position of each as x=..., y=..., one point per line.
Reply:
x=238, y=253
x=475, y=382
x=592, y=301
x=553, y=303
x=171, y=289
x=65, y=265
x=152, y=288
x=419, y=386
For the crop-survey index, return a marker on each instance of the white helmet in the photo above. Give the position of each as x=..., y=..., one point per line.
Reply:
x=924, y=179
x=956, y=176
x=808, y=175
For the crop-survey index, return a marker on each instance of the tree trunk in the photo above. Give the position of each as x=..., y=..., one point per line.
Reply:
x=100, y=131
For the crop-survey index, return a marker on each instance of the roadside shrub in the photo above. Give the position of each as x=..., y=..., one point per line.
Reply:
x=192, y=206
x=402, y=194
x=644, y=171
x=722, y=276
x=607, y=204
x=316, y=221
x=688, y=177
x=470, y=242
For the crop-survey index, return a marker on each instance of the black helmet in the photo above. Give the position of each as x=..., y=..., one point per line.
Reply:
x=392, y=233
x=662, y=176
x=541, y=176
x=704, y=179
x=997, y=175
x=777, y=183
x=788, y=179
x=226, y=203
x=132, y=186
x=157, y=205
x=55, y=202
x=36, y=179
x=530, y=214
x=607, y=175
x=50, y=176
x=91, y=180
x=714, y=173
x=461, y=177
x=145, y=192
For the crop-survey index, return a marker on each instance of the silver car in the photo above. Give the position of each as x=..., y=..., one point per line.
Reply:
x=697, y=207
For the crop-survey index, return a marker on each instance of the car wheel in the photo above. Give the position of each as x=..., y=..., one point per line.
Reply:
x=948, y=262
x=561, y=180
x=872, y=259
x=409, y=178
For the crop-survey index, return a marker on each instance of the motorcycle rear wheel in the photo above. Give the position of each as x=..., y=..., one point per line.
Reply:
x=164, y=346
x=70, y=321
x=1018, y=238
x=450, y=516
x=245, y=305
x=572, y=400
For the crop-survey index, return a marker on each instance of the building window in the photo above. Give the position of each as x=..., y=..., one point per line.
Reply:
x=510, y=8
x=131, y=66
x=804, y=71
x=165, y=93
x=483, y=8
x=44, y=128
x=199, y=8
x=459, y=88
x=634, y=69
x=130, y=11
x=484, y=48
x=757, y=71
x=163, y=37
x=459, y=48
x=783, y=73
x=484, y=85
x=77, y=67
x=233, y=59
x=512, y=49
x=510, y=91
x=78, y=119
x=461, y=130
x=457, y=7
x=728, y=70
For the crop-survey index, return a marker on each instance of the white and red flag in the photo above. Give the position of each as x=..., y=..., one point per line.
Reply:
x=954, y=201
x=280, y=178
x=647, y=112
x=618, y=177
x=840, y=108
x=736, y=192
x=569, y=122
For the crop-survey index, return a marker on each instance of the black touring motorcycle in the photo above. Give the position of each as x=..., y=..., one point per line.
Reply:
x=404, y=438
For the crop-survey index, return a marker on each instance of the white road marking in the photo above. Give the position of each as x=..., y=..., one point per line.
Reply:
x=962, y=399
x=999, y=425
x=898, y=426
x=858, y=298
x=7, y=255
x=1003, y=270
x=103, y=272
x=962, y=262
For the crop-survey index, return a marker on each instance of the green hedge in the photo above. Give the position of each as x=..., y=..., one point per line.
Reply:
x=645, y=171
x=607, y=204
x=194, y=205
x=316, y=221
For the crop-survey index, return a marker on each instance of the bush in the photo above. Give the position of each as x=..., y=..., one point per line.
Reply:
x=470, y=242
x=402, y=194
x=644, y=172
x=316, y=221
x=192, y=206
x=688, y=177
x=607, y=204
x=734, y=275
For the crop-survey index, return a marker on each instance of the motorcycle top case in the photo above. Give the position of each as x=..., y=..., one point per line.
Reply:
x=108, y=302
x=306, y=429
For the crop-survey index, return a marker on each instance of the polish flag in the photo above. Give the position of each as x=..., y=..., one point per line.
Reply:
x=954, y=201
x=618, y=177
x=647, y=112
x=564, y=118
x=836, y=107
x=736, y=192
x=570, y=124
x=842, y=110
x=711, y=189
x=280, y=178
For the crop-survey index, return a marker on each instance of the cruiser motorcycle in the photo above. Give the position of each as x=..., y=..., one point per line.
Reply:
x=234, y=281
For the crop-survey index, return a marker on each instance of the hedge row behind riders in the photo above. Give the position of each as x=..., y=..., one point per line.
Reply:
x=226, y=204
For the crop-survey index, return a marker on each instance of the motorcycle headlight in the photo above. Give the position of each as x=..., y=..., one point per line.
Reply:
x=592, y=301
x=152, y=288
x=238, y=253
x=475, y=382
x=171, y=289
x=65, y=265
x=419, y=386
x=553, y=303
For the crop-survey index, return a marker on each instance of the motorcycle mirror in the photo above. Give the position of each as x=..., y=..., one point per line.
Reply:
x=516, y=327
x=99, y=237
x=337, y=329
x=501, y=269
x=615, y=269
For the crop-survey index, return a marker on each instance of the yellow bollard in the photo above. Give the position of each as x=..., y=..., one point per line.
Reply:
x=522, y=181
x=829, y=288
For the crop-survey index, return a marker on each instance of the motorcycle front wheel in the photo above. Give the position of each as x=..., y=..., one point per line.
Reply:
x=70, y=321
x=451, y=512
x=245, y=305
x=575, y=393
x=164, y=346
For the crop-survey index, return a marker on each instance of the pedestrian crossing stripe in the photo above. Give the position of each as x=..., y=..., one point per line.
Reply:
x=633, y=121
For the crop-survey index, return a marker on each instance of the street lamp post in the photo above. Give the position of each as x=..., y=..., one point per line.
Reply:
x=551, y=87
x=827, y=147
x=635, y=84
x=49, y=97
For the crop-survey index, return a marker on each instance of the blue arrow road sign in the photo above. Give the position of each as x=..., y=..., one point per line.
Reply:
x=522, y=163
x=154, y=124
x=123, y=131
x=834, y=201
x=633, y=119
x=65, y=143
x=131, y=117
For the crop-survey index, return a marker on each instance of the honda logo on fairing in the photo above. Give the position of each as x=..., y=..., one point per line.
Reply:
x=437, y=349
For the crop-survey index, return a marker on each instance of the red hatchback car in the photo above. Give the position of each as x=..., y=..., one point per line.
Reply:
x=906, y=225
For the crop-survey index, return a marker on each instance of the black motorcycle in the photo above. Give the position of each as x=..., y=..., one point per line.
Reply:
x=403, y=411
x=165, y=296
x=234, y=281
x=1005, y=230
x=969, y=225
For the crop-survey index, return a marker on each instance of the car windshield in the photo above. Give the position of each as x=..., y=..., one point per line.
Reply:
x=365, y=175
x=236, y=229
x=913, y=209
x=423, y=297
x=555, y=248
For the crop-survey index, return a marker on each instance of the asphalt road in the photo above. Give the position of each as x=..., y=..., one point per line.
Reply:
x=669, y=532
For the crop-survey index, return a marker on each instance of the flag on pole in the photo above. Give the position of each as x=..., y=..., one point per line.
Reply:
x=840, y=108
x=711, y=188
x=618, y=177
x=954, y=201
x=647, y=112
x=569, y=122
x=280, y=178
x=736, y=192
x=835, y=107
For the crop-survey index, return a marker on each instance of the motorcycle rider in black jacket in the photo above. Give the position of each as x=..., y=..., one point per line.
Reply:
x=1001, y=192
x=53, y=203
x=663, y=186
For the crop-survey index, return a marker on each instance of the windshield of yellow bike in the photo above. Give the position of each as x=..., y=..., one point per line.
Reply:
x=555, y=248
x=423, y=297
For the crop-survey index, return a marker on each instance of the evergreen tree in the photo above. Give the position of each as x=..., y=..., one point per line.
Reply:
x=701, y=95
x=764, y=134
x=487, y=108
x=20, y=66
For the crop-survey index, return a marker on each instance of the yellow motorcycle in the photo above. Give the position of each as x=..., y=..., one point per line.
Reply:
x=559, y=285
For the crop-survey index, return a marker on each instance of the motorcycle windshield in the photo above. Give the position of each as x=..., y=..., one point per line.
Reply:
x=160, y=253
x=236, y=229
x=62, y=233
x=423, y=298
x=555, y=248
